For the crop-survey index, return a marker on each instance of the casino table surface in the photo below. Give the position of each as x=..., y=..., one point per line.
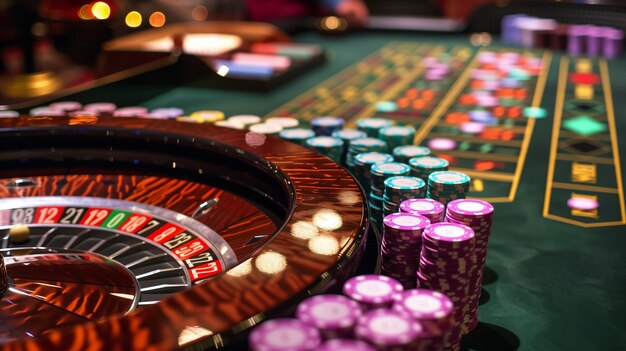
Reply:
x=555, y=279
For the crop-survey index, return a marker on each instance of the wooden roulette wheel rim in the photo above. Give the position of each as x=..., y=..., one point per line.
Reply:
x=220, y=310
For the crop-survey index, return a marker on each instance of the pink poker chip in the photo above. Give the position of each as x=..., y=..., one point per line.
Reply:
x=444, y=144
x=472, y=127
x=582, y=203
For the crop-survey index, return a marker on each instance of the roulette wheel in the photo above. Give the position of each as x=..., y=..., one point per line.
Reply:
x=151, y=234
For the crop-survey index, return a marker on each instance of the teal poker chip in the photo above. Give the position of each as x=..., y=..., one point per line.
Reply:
x=449, y=178
x=406, y=152
x=397, y=136
x=404, y=183
x=371, y=126
x=363, y=163
x=297, y=135
x=329, y=146
x=390, y=169
x=386, y=106
x=429, y=162
x=534, y=112
x=358, y=146
x=349, y=134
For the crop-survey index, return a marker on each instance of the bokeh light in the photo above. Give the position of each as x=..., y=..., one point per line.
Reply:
x=324, y=245
x=271, y=262
x=304, y=230
x=157, y=19
x=84, y=12
x=101, y=10
x=133, y=19
x=327, y=219
x=199, y=13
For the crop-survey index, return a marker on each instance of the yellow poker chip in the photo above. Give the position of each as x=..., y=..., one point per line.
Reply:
x=207, y=116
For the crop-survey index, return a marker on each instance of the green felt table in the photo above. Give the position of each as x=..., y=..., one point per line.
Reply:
x=554, y=279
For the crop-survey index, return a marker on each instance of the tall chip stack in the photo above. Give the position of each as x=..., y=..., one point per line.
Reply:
x=362, y=165
x=478, y=215
x=329, y=146
x=347, y=135
x=401, y=246
x=379, y=173
x=446, y=265
x=398, y=189
x=446, y=186
x=396, y=136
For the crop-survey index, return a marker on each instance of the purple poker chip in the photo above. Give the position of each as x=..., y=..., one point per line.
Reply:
x=470, y=207
x=448, y=232
x=329, y=311
x=345, y=345
x=387, y=328
x=66, y=106
x=582, y=203
x=284, y=334
x=371, y=289
x=422, y=207
x=406, y=221
x=423, y=304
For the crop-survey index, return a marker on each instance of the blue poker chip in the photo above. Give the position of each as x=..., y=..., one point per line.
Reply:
x=326, y=125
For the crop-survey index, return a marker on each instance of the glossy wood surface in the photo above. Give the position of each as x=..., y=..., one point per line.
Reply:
x=318, y=245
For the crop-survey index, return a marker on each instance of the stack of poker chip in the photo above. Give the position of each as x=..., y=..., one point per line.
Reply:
x=359, y=146
x=379, y=173
x=372, y=291
x=297, y=135
x=363, y=164
x=422, y=167
x=446, y=186
x=446, y=264
x=405, y=153
x=329, y=146
x=284, y=334
x=396, y=136
x=347, y=135
x=433, y=310
x=478, y=215
x=429, y=208
x=401, y=246
x=372, y=126
x=398, y=189
x=334, y=316
x=326, y=125
x=390, y=330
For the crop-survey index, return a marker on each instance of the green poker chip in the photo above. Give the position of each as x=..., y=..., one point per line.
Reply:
x=406, y=152
x=371, y=126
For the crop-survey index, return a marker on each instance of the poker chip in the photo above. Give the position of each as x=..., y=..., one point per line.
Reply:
x=386, y=106
x=207, y=116
x=297, y=135
x=66, y=106
x=582, y=203
x=9, y=114
x=362, y=165
x=401, y=245
x=345, y=345
x=400, y=188
x=168, y=112
x=405, y=153
x=363, y=145
x=246, y=120
x=372, y=291
x=388, y=328
x=472, y=128
x=265, y=128
x=285, y=122
x=329, y=146
x=396, y=136
x=226, y=124
x=372, y=126
x=379, y=172
x=446, y=264
x=445, y=186
x=284, y=334
x=100, y=107
x=46, y=111
x=326, y=125
x=422, y=167
x=442, y=144
x=130, y=111
x=429, y=208
x=333, y=315
x=347, y=135
x=535, y=112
